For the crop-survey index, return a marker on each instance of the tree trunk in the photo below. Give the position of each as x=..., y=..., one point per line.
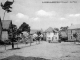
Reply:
x=5, y=46
x=29, y=38
x=17, y=44
x=1, y=33
x=4, y=14
x=12, y=45
x=12, y=38
x=75, y=41
x=0, y=29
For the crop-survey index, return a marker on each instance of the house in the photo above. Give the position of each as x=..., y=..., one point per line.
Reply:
x=52, y=35
x=72, y=30
x=6, y=26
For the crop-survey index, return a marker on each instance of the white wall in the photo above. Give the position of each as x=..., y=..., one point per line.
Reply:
x=4, y=35
x=52, y=36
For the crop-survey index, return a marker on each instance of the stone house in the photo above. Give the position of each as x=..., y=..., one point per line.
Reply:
x=72, y=30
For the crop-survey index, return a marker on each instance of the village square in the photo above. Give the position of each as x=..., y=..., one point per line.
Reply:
x=44, y=35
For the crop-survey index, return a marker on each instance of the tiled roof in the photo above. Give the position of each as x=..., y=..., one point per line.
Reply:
x=6, y=24
x=77, y=26
x=50, y=29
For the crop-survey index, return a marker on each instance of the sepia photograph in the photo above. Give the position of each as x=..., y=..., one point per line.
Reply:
x=39, y=29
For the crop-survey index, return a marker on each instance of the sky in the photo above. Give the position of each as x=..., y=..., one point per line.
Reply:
x=41, y=15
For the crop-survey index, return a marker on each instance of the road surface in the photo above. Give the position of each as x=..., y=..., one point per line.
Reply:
x=53, y=51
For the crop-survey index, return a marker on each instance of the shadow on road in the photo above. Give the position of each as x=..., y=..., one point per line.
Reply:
x=15, y=57
x=24, y=46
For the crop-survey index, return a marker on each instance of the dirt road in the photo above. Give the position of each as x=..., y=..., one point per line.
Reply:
x=53, y=51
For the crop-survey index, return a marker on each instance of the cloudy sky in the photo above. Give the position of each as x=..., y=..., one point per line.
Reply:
x=39, y=14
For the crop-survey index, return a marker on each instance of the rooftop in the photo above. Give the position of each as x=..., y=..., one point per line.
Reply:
x=50, y=29
x=6, y=23
x=77, y=26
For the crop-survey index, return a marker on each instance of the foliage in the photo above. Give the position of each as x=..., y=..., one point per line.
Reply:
x=0, y=28
x=24, y=27
x=38, y=33
x=13, y=32
x=75, y=35
x=56, y=29
x=7, y=6
x=64, y=28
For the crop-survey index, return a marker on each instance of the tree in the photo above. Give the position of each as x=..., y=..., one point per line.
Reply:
x=56, y=29
x=0, y=29
x=38, y=33
x=75, y=35
x=64, y=28
x=24, y=27
x=7, y=7
x=13, y=34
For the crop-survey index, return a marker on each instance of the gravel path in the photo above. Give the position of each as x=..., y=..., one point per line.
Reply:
x=53, y=51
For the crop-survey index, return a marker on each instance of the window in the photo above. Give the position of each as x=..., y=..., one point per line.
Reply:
x=55, y=37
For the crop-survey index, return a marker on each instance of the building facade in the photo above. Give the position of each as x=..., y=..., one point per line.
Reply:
x=6, y=27
x=72, y=30
x=52, y=35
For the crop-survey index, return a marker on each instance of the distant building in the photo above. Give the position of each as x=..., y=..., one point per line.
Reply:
x=52, y=35
x=72, y=30
x=6, y=26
